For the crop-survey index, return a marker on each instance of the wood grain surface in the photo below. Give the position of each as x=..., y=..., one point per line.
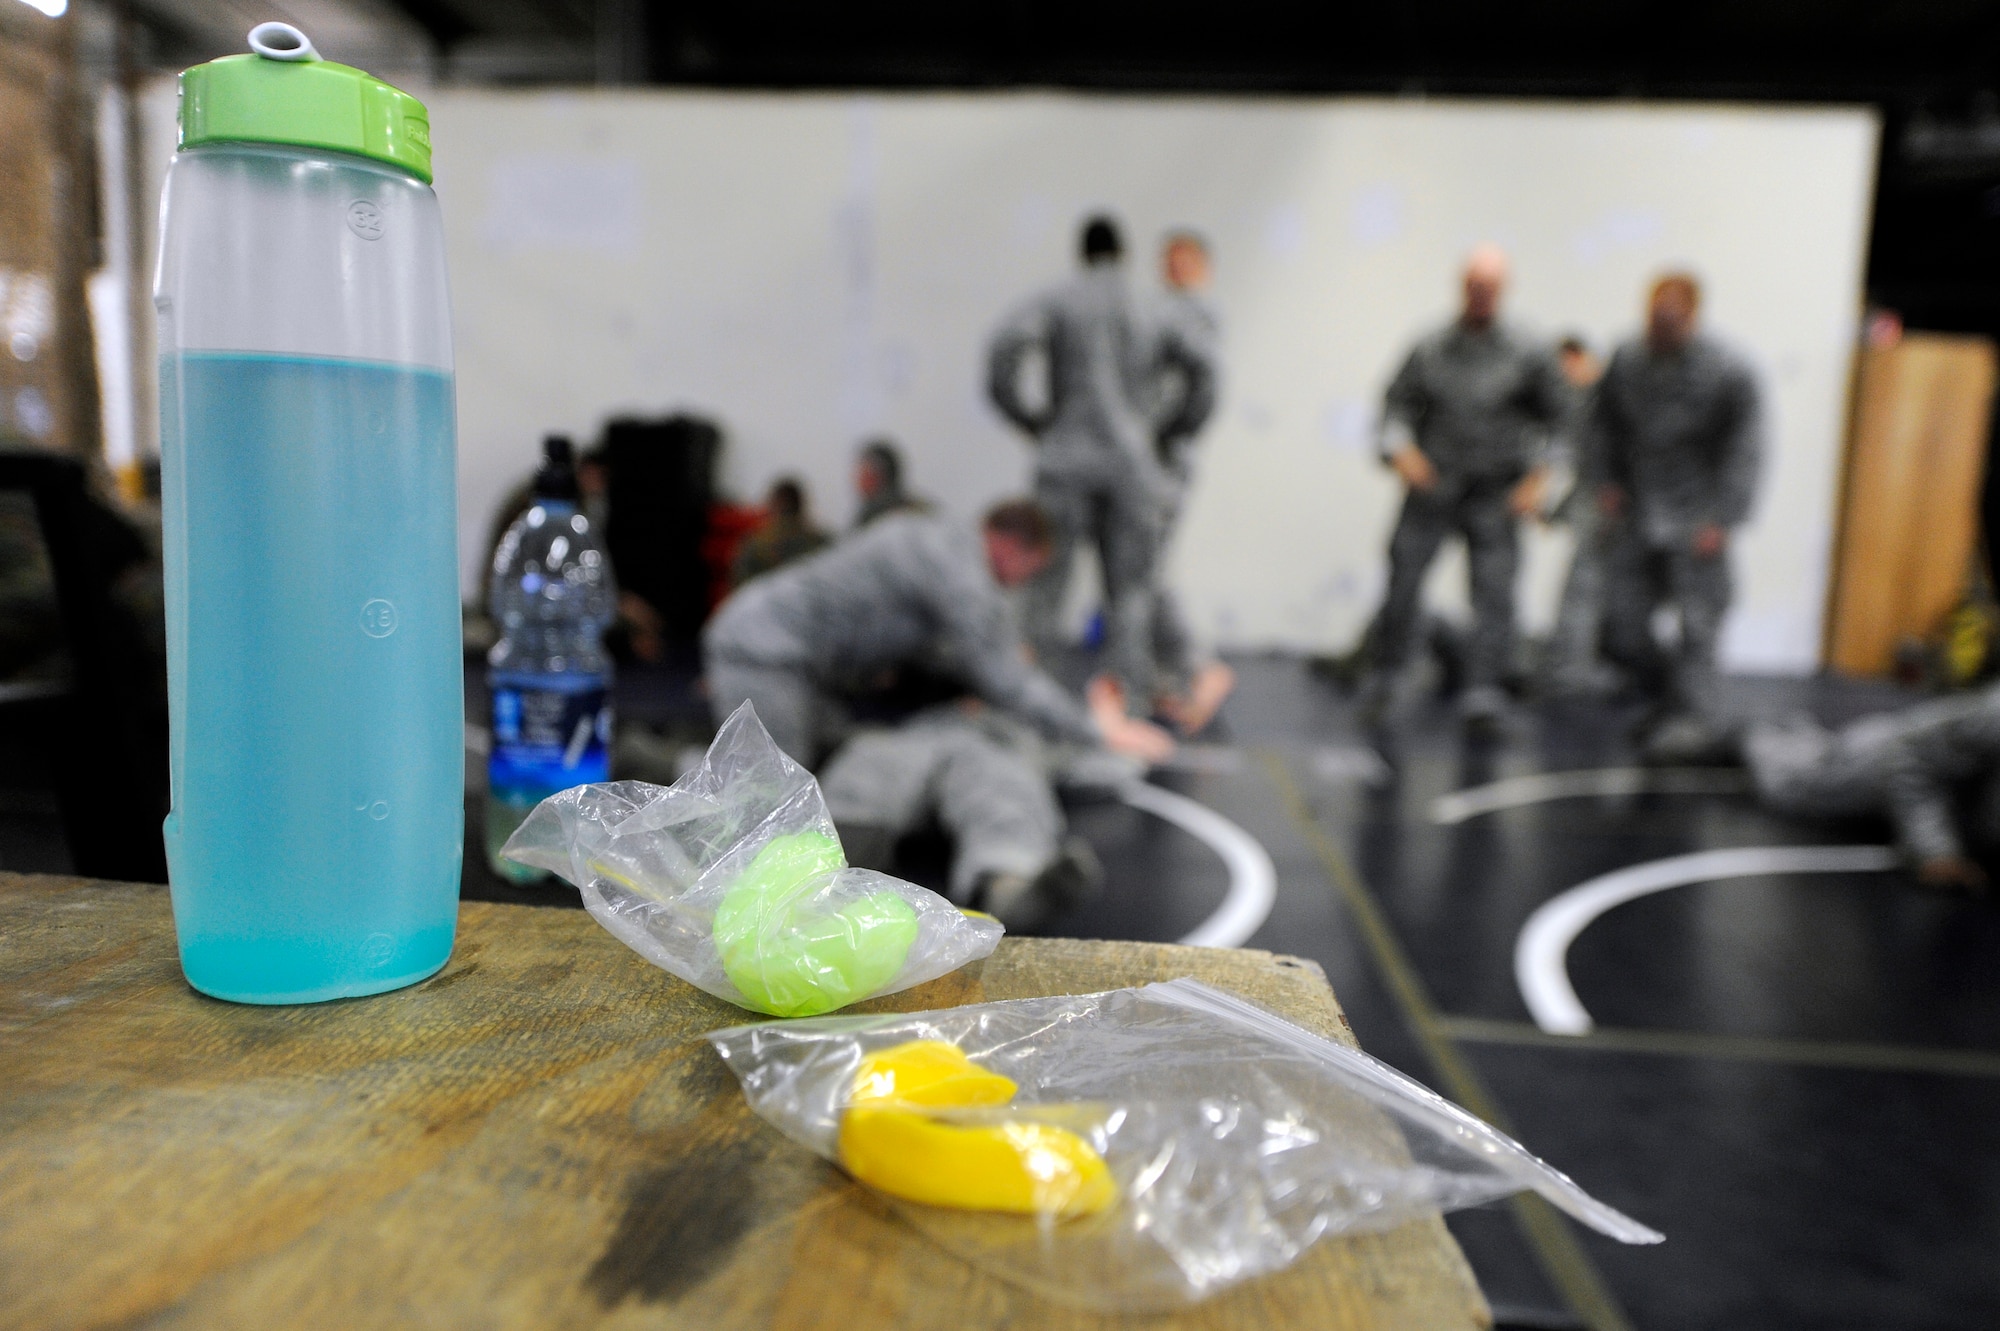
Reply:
x=535, y=1137
x=1909, y=524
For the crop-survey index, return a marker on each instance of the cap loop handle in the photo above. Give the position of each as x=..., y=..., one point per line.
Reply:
x=282, y=41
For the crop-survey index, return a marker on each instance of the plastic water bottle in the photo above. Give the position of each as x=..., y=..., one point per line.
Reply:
x=308, y=479
x=552, y=595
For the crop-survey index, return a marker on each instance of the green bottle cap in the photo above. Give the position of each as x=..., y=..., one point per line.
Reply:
x=284, y=93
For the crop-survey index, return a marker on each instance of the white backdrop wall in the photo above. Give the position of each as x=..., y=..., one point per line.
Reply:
x=815, y=269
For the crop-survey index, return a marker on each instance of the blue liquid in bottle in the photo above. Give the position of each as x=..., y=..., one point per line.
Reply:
x=314, y=660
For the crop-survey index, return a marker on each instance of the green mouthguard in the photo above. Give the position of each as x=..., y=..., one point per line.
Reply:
x=790, y=955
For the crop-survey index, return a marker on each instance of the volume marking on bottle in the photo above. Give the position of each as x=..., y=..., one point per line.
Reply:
x=364, y=219
x=378, y=618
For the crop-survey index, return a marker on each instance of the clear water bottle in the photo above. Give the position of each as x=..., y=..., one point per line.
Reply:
x=553, y=597
x=309, y=501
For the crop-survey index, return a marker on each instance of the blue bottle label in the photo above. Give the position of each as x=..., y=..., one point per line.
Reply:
x=545, y=740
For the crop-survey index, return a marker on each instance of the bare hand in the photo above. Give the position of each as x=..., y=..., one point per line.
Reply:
x=1138, y=739
x=1611, y=500
x=1416, y=470
x=1952, y=871
x=1710, y=539
x=1124, y=734
x=1207, y=691
x=1525, y=499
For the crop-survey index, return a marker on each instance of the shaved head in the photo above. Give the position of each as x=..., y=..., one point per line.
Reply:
x=1488, y=261
x=1486, y=271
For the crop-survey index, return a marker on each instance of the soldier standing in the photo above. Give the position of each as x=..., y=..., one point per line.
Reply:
x=1572, y=667
x=1673, y=443
x=1096, y=473
x=1187, y=369
x=1465, y=425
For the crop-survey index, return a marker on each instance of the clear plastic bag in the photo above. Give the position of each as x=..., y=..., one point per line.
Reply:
x=1233, y=1140
x=733, y=879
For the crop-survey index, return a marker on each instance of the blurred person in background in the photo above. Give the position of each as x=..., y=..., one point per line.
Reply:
x=1572, y=666
x=909, y=589
x=1466, y=424
x=1672, y=445
x=1932, y=770
x=1097, y=474
x=787, y=532
x=987, y=779
x=1186, y=383
x=878, y=482
x=810, y=643
x=1581, y=366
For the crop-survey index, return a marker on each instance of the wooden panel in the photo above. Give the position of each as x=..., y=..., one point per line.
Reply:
x=29, y=260
x=1910, y=512
x=536, y=1137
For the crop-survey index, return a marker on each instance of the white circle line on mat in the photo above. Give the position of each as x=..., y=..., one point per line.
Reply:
x=1541, y=952
x=1253, y=879
x=1540, y=787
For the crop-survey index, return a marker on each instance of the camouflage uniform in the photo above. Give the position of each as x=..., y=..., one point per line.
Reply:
x=1185, y=384
x=910, y=588
x=1096, y=474
x=981, y=775
x=780, y=541
x=1924, y=768
x=889, y=499
x=1681, y=434
x=1481, y=404
x=1572, y=659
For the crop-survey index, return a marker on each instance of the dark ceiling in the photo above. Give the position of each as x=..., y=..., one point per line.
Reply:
x=1842, y=49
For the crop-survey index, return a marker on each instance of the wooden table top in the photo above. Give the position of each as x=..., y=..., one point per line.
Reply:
x=535, y=1137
